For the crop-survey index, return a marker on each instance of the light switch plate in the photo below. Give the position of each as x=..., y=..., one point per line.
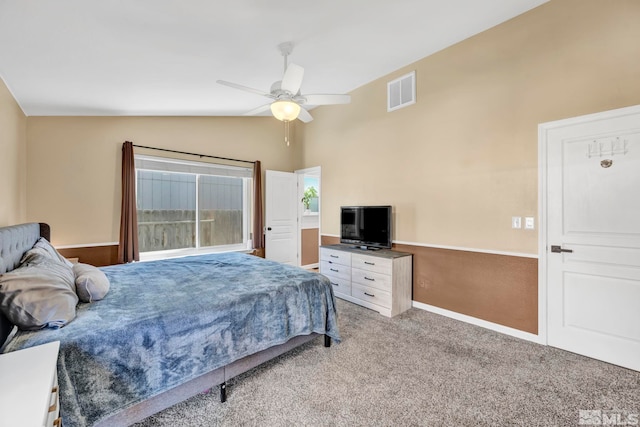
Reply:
x=516, y=222
x=529, y=223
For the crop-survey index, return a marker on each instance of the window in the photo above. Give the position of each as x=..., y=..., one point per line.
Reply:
x=310, y=195
x=191, y=207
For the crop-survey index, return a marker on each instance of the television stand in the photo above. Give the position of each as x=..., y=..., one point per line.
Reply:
x=378, y=279
x=367, y=248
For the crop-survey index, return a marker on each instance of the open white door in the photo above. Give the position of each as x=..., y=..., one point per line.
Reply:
x=309, y=217
x=281, y=240
x=590, y=258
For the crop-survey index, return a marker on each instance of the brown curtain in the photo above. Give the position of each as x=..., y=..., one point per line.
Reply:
x=128, y=248
x=258, y=230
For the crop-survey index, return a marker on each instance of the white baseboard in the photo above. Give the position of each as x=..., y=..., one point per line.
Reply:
x=479, y=322
x=310, y=266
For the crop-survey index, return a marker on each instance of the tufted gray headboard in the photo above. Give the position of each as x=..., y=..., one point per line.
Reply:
x=15, y=240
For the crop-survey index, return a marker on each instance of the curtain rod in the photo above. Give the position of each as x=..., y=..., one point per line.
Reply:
x=193, y=154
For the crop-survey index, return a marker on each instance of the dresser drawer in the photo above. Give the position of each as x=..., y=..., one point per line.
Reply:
x=335, y=257
x=340, y=285
x=372, y=263
x=336, y=270
x=369, y=278
x=375, y=296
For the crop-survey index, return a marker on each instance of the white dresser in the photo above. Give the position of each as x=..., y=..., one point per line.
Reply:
x=29, y=395
x=380, y=280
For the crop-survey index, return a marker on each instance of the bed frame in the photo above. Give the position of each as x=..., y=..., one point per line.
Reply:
x=16, y=240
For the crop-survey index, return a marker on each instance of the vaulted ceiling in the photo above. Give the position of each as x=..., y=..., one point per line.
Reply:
x=163, y=57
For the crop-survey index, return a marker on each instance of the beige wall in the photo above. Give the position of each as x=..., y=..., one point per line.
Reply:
x=12, y=159
x=456, y=165
x=462, y=161
x=74, y=163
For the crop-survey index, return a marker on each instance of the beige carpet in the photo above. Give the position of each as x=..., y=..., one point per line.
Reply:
x=416, y=369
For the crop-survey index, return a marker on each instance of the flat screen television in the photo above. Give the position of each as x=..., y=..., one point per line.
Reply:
x=366, y=226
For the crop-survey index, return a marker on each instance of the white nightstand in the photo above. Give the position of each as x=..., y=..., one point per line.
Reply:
x=29, y=387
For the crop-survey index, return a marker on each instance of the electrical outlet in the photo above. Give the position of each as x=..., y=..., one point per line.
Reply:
x=529, y=223
x=516, y=222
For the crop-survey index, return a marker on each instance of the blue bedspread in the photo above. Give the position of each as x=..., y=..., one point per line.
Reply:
x=166, y=322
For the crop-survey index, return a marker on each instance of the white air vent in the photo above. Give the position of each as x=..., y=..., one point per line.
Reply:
x=401, y=92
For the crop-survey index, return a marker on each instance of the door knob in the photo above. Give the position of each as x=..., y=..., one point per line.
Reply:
x=268, y=228
x=558, y=249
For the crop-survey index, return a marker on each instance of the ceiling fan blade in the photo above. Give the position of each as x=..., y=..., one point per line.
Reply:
x=304, y=116
x=320, y=99
x=245, y=88
x=292, y=79
x=258, y=110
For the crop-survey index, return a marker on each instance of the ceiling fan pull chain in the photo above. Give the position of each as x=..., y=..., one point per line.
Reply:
x=286, y=132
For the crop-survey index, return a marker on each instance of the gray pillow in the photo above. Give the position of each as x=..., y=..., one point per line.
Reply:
x=39, y=294
x=43, y=247
x=91, y=283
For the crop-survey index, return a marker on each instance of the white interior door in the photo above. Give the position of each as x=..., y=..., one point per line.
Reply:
x=592, y=237
x=281, y=240
x=309, y=246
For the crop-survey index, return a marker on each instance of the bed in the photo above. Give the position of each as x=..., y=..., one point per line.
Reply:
x=170, y=329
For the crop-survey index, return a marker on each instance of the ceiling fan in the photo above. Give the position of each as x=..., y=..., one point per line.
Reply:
x=287, y=102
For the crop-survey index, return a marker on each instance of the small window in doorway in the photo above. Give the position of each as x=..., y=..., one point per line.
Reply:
x=310, y=196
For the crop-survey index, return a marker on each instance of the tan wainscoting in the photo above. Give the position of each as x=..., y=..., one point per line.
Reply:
x=497, y=288
x=258, y=252
x=310, y=248
x=94, y=255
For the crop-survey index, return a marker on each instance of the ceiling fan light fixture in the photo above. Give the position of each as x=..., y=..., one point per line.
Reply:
x=285, y=111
